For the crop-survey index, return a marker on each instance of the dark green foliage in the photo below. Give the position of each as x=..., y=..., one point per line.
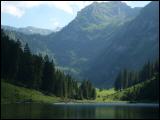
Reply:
x=27, y=49
x=117, y=84
x=127, y=78
x=128, y=47
x=48, y=75
x=25, y=69
x=146, y=91
x=93, y=95
x=38, y=66
x=148, y=76
x=10, y=55
x=87, y=91
x=26, y=66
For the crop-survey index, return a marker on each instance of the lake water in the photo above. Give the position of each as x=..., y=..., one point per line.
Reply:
x=110, y=110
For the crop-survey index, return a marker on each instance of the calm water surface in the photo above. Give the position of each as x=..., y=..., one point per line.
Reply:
x=110, y=110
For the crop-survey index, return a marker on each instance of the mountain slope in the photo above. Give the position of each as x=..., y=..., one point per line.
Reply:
x=99, y=15
x=131, y=46
x=28, y=30
x=103, y=39
x=77, y=44
x=80, y=38
x=37, y=42
x=11, y=94
x=145, y=91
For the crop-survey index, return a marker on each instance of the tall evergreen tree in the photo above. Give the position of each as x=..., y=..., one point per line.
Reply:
x=117, y=84
x=38, y=67
x=48, y=75
x=33, y=71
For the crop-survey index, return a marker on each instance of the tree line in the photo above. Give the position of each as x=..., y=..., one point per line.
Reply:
x=127, y=78
x=19, y=66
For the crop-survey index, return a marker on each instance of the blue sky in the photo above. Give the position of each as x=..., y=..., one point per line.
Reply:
x=47, y=14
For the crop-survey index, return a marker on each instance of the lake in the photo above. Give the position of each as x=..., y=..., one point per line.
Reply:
x=90, y=110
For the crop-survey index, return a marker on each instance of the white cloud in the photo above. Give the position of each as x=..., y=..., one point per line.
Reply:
x=10, y=9
x=63, y=5
x=13, y=11
x=18, y=8
x=55, y=23
x=137, y=3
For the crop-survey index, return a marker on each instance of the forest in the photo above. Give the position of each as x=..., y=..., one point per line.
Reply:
x=147, y=77
x=80, y=60
x=20, y=67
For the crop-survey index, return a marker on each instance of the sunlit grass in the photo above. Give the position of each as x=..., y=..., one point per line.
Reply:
x=11, y=94
x=105, y=95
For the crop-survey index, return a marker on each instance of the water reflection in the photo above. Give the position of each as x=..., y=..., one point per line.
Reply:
x=136, y=112
x=47, y=111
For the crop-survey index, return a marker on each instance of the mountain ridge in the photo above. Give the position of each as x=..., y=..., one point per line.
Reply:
x=132, y=45
x=84, y=42
x=29, y=30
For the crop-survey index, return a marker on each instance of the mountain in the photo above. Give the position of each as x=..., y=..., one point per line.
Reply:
x=102, y=39
x=28, y=30
x=99, y=15
x=37, y=42
x=57, y=29
x=78, y=43
x=135, y=43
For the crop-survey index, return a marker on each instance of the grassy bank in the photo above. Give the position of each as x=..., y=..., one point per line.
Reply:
x=102, y=95
x=135, y=94
x=11, y=94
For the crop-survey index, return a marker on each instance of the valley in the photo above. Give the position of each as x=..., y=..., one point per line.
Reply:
x=103, y=64
x=80, y=48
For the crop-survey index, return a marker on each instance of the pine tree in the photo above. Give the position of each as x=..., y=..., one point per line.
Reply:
x=38, y=66
x=93, y=96
x=33, y=71
x=117, y=84
x=48, y=75
x=27, y=49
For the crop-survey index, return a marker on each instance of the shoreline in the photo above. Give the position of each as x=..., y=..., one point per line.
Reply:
x=122, y=102
x=103, y=103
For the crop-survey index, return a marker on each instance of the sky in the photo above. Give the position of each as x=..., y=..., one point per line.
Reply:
x=46, y=14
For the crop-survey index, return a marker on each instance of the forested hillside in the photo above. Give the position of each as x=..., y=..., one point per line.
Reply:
x=103, y=39
x=139, y=85
x=22, y=68
x=135, y=43
x=83, y=38
x=128, y=78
